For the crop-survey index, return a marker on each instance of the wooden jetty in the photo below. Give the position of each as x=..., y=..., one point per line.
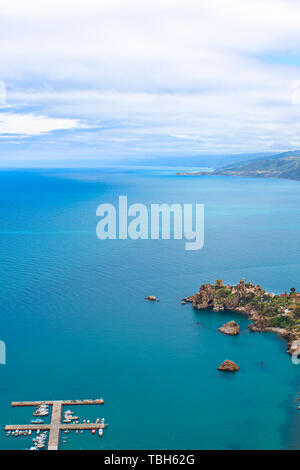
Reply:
x=55, y=426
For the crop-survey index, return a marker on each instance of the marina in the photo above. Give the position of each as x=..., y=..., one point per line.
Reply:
x=70, y=422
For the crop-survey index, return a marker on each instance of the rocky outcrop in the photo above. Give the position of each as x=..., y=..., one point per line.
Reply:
x=152, y=298
x=219, y=298
x=268, y=312
x=228, y=366
x=230, y=328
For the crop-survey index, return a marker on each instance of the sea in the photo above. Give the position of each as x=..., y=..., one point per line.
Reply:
x=75, y=323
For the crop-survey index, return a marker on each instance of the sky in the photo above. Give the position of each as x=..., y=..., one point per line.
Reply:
x=90, y=81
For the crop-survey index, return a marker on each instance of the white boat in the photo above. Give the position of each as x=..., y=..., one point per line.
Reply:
x=41, y=410
x=100, y=432
x=37, y=421
x=93, y=431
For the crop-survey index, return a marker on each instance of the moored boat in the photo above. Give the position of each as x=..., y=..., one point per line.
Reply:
x=37, y=421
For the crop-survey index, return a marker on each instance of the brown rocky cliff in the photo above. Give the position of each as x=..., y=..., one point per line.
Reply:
x=230, y=328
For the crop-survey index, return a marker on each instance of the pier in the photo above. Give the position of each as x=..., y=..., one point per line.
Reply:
x=56, y=426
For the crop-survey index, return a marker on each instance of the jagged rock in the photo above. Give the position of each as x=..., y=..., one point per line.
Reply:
x=253, y=327
x=151, y=297
x=230, y=328
x=229, y=366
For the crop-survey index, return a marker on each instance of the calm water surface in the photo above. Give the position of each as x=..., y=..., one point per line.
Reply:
x=76, y=325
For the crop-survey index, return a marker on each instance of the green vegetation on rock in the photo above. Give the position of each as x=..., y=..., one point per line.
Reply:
x=267, y=311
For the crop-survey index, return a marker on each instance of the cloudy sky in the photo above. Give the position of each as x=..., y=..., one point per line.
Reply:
x=112, y=79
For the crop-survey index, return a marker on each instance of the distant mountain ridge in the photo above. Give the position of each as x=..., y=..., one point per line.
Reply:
x=284, y=165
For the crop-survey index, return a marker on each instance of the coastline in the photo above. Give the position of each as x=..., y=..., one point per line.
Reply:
x=217, y=173
x=242, y=299
x=236, y=175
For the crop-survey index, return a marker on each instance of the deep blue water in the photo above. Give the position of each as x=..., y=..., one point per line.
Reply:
x=76, y=325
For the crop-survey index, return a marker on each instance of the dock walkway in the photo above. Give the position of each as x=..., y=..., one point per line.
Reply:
x=55, y=426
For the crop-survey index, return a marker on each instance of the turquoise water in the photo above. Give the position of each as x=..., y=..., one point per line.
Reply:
x=76, y=325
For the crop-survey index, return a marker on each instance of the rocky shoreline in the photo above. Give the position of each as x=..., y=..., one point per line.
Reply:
x=267, y=311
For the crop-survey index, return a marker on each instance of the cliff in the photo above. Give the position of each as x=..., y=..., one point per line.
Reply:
x=269, y=312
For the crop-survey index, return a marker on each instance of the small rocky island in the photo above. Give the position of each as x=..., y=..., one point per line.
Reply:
x=230, y=328
x=228, y=366
x=151, y=298
x=267, y=311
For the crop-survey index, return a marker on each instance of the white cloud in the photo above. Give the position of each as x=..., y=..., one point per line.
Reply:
x=169, y=76
x=30, y=124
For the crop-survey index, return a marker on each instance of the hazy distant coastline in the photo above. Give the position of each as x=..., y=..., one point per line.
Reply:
x=285, y=166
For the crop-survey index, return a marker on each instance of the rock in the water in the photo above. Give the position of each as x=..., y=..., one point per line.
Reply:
x=229, y=366
x=230, y=328
x=151, y=297
x=183, y=302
